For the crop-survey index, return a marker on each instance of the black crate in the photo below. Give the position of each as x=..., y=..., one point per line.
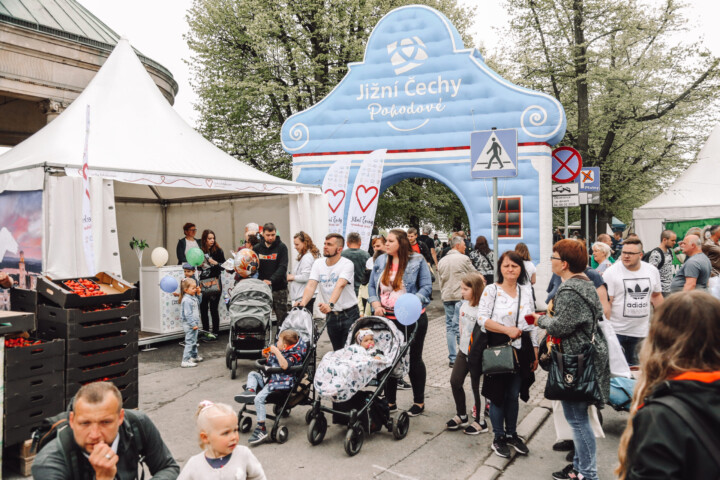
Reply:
x=121, y=380
x=84, y=315
x=23, y=393
x=33, y=360
x=116, y=290
x=19, y=425
x=98, y=371
x=53, y=322
x=22, y=300
x=104, y=355
x=99, y=342
x=16, y=322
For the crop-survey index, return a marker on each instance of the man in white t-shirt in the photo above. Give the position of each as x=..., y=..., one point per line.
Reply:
x=334, y=275
x=632, y=286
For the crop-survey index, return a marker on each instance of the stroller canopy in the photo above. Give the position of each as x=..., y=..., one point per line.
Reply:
x=301, y=321
x=251, y=298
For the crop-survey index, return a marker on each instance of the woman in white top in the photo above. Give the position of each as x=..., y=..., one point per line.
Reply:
x=502, y=311
x=307, y=253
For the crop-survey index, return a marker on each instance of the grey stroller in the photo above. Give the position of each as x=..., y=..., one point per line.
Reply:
x=251, y=329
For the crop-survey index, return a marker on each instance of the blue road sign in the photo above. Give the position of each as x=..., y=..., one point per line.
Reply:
x=589, y=179
x=493, y=153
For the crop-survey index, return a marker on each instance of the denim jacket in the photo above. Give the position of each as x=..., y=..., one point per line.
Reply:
x=416, y=278
x=190, y=310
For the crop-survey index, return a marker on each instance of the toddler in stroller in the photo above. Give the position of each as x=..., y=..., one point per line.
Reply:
x=290, y=350
x=376, y=350
x=283, y=379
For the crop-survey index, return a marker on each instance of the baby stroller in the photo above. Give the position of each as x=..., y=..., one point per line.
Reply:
x=250, y=308
x=366, y=411
x=283, y=401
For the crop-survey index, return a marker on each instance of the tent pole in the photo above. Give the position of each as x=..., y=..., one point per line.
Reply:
x=163, y=208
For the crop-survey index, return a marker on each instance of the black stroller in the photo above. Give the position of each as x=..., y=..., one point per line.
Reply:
x=251, y=329
x=302, y=393
x=366, y=411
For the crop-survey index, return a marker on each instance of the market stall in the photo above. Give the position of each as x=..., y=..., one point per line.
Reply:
x=149, y=173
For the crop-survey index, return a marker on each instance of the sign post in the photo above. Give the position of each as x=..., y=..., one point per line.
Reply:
x=589, y=183
x=566, y=165
x=493, y=154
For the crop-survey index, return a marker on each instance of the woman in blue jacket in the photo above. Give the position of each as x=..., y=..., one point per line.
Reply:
x=395, y=273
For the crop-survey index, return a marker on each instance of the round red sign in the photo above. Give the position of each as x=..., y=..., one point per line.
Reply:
x=566, y=164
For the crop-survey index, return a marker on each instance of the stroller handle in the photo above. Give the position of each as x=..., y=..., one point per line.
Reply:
x=261, y=365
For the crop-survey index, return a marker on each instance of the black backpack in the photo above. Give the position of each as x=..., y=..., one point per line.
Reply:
x=58, y=426
x=646, y=257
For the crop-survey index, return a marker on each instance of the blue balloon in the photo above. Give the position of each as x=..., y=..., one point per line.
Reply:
x=408, y=309
x=169, y=284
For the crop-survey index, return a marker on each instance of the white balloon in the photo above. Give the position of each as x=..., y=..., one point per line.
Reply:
x=159, y=256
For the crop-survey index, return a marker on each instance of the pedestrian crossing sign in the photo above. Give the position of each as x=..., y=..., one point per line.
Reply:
x=493, y=153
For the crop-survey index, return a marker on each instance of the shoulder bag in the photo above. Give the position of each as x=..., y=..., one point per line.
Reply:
x=209, y=286
x=573, y=378
x=503, y=358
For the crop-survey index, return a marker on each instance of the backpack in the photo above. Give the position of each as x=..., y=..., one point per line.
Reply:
x=58, y=426
x=646, y=257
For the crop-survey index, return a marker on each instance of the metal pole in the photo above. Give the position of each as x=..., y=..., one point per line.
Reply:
x=566, y=222
x=495, y=223
x=587, y=226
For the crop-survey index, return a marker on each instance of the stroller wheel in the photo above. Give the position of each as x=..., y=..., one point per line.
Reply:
x=245, y=424
x=317, y=430
x=233, y=371
x=401, y=427
x=353, y=441
x=228, y=357
x=282, y=434
x=309, y=416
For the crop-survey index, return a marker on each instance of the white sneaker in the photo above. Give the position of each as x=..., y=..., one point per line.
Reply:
x=198, y=359
x=188, y=364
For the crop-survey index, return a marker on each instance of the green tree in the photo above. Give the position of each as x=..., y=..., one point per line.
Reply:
x=257, y=62
x=639, y=102
x=421, y=201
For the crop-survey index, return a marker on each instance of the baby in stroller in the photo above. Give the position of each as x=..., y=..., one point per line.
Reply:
x=290, y=350
x=366, y=339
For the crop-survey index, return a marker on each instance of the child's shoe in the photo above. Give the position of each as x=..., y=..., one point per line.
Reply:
x=188, y=364
x=248, y=396
x=198, y=359
x=258, y=436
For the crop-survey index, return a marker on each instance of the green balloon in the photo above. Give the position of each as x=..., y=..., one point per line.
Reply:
x=195, y=257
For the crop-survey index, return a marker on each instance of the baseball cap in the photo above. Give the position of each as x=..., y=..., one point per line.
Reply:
x=187, y=266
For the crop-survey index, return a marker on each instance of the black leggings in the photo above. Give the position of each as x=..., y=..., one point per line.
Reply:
x=418, y=374
x=457, y=379
x=212, y=302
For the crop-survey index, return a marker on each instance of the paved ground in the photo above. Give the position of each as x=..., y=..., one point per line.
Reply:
x=170, y=395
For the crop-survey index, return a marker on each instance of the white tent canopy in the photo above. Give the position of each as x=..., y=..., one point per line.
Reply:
x=695, y=195
x=142, y=153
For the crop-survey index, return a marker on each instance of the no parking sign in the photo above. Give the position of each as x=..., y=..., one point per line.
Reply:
x=566, y=164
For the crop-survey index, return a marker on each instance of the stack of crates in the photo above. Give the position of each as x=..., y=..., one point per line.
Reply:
x=34, y=385
x=100, y=334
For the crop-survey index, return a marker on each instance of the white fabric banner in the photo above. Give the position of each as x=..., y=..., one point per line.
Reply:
x=335, y=186
x=87, y=223
x=366, y=191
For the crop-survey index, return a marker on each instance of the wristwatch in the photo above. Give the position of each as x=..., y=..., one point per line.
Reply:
x=331, y=305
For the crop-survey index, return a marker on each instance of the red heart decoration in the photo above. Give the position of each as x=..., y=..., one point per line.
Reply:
x=366, y=191
x=209, y=182
x=337, y=198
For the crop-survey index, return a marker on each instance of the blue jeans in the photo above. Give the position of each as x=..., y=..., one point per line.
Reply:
x=585, y=459
x=257, y=382
x=504, y=417
x=191, y=338
x=338, y=325
x=452, y=328
x=630, y=347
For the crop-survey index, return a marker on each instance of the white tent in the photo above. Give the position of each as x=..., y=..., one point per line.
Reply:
x=150, y=173
x=695, y=195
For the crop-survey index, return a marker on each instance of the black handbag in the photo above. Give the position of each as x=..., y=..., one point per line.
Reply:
x=502, y=358
x=573, y=378
x=209, y=286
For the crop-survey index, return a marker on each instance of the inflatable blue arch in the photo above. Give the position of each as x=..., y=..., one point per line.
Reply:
x=420, y=93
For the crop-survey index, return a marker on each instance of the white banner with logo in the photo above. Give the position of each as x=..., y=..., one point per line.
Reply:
x=364, y=200
x=87, y=223
x=334, y=186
